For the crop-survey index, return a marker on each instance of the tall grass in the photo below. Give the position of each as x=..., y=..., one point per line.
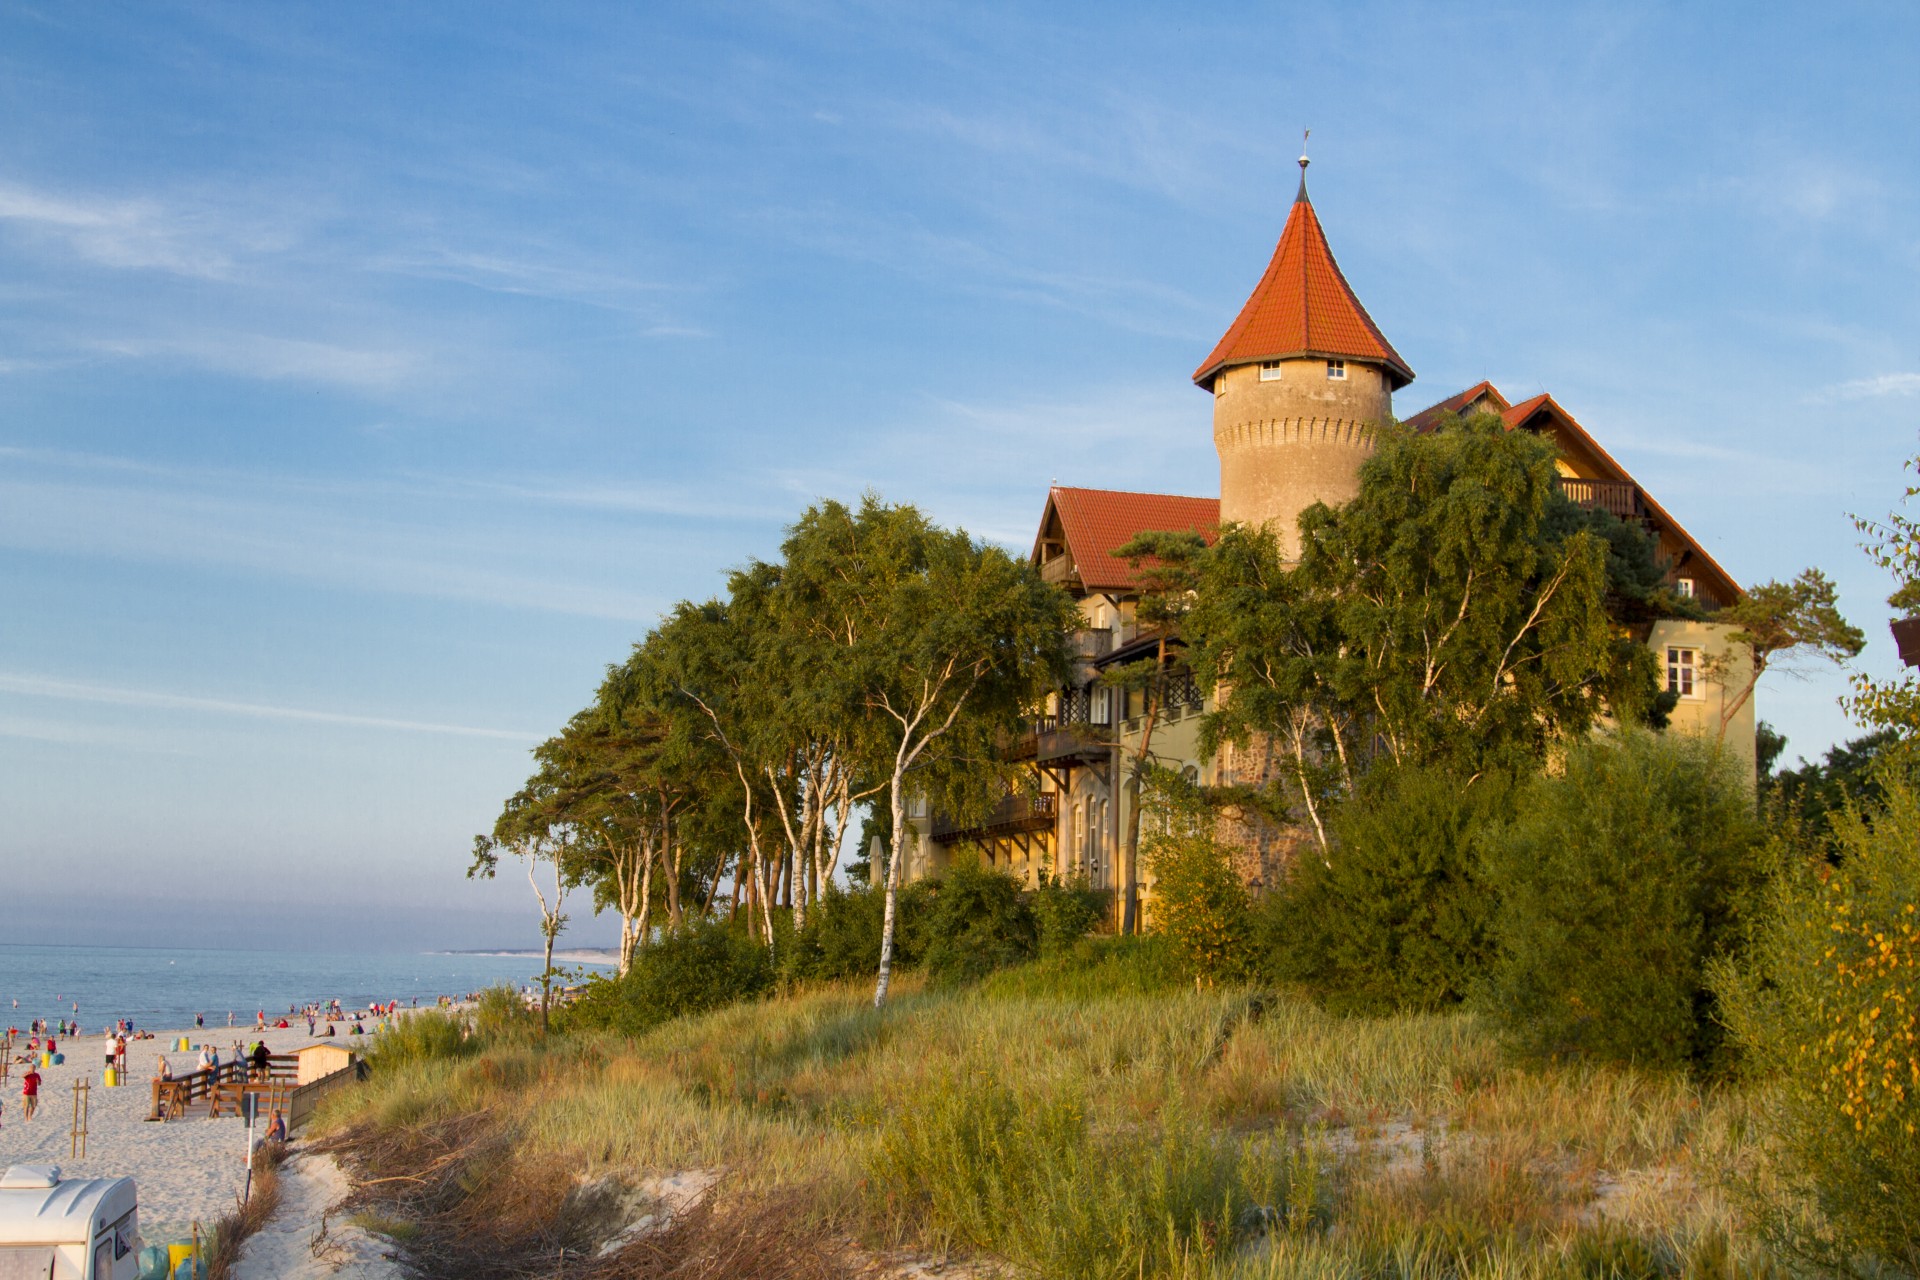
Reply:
x=1118, y=1131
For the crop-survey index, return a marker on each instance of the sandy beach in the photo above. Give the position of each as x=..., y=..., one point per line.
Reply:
x=188, y=1170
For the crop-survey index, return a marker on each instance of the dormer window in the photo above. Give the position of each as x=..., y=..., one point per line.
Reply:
x=1337, y=370
x=1269, y=371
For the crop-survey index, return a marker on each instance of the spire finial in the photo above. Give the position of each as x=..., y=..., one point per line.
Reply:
x=1304, y=162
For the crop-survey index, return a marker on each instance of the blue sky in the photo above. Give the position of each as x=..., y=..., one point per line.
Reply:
x=372, y=375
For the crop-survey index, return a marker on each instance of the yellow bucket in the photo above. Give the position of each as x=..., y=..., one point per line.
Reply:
x=113, y=1078
x=181, y=1046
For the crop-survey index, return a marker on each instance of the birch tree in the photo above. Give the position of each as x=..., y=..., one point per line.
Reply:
x=938, y=642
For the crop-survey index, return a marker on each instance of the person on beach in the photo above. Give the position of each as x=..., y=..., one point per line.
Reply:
x=260, y=1057
x=199, y=1021
x=277, y=1127
x=113, y=1049
x=165, y=1069
x=309, y=1024
x=29, y=1093
x=120, y=1052
x=208, y=1058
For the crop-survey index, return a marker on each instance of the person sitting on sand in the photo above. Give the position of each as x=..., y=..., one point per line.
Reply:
x=330, y=1030
x=276, y=1127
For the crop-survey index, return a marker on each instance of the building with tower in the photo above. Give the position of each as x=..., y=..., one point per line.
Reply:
x=1302, y=383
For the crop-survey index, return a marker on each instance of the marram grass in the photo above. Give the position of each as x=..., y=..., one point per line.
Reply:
x=1179, y=1133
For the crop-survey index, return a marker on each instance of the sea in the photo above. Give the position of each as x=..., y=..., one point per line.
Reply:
x=165, y=988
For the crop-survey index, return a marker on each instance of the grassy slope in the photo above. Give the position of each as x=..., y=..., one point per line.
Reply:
x=1111, y=1135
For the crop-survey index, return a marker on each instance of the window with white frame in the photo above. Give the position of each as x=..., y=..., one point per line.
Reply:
x=1682, y=671
x=1101, y=707
x=1337, y=370
x=1269, y=371
x=1684, y=586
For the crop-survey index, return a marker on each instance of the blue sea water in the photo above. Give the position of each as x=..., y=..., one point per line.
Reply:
x=164, y=989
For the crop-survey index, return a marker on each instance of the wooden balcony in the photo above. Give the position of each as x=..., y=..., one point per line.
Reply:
x=1620, y=497
x=1018, y=812
x=1058, y=570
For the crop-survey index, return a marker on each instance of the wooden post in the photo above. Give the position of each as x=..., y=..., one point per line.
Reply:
x=82, y=1100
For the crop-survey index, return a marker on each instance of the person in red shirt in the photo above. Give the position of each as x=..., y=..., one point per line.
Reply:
x=29, y=1093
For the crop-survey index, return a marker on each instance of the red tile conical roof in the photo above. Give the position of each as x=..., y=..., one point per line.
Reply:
x=1303, y=306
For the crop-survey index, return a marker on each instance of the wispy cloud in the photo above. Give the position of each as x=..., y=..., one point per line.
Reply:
x=38, y=686
x=428, y=537
x=258, y=356
x=1885, y=384
x=140, y=234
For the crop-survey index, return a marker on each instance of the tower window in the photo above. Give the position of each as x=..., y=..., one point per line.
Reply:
x=1269, y=371
x=1337, y=370
x=1680, y=671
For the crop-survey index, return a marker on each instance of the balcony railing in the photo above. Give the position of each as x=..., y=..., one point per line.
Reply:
x=1057, y=570
x=1092, y=643
x=1620, y=497
x=1017, y=812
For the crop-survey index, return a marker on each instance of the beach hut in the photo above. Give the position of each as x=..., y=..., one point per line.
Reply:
x=59, y=1227
x=318, y=1061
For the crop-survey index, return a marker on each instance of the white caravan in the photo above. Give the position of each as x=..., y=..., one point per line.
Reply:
x=54, y=1228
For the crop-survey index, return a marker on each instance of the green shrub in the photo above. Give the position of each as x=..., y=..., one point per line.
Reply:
x=1617, y=882
x=842, y=935
x=1066, y=909
x=500, y=1015
x=706, y=965
x=1199, y=902
x=979, y=922
x=1827, y=1006
x=1397, y=917
x=1094, y=968
x=419, y=1035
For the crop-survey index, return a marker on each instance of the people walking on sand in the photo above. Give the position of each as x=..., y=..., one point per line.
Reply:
x=199, y=1021
x=29, y=1093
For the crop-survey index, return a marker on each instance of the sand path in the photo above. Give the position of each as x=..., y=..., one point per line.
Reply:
x=188, y=1170
x=300, y=1243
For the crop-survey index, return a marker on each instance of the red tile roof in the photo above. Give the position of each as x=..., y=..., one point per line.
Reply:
x=1429, y=417
x=1096, y=522
x=1303, y=306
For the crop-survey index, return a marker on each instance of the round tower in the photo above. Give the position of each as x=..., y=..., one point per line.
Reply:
x=1300, y=383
